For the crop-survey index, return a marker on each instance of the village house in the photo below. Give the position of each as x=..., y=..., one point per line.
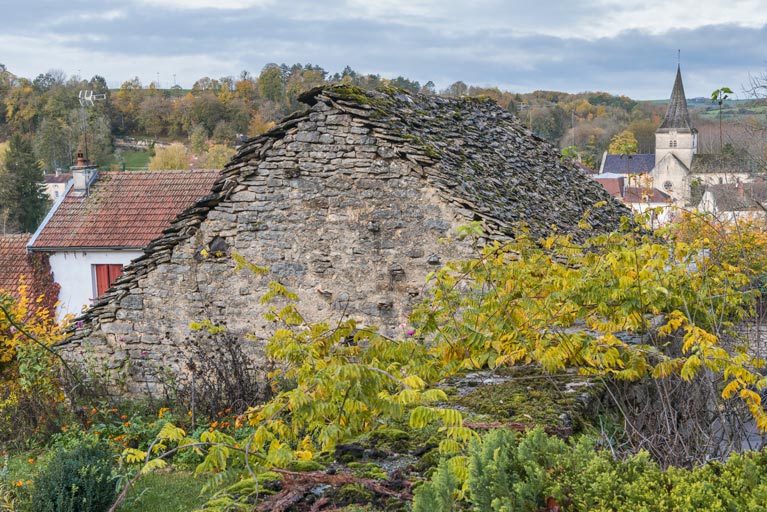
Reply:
x=56, y=184
x=102, y=221
x=735, y=201
x=350, y=204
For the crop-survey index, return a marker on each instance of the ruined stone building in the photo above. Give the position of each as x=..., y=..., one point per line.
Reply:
x=347, y=204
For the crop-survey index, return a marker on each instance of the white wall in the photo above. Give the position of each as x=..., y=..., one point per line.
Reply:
x=73, y=272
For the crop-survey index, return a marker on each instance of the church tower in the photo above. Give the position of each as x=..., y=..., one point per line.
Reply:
x=676, y=134
x=676, y=142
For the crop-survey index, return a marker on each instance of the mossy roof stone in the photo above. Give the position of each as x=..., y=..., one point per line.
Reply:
x=481, y=159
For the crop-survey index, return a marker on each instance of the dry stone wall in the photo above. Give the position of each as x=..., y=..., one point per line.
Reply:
x=347, y=205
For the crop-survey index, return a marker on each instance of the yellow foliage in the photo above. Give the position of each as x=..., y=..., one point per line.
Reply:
x=172, y=157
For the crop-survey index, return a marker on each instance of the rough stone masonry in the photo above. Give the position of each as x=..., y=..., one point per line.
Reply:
x=346, y=204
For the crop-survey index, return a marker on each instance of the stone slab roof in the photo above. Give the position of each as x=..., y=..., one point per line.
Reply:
x=677, y=116
x=716, y=163
x=739, y=196
x=123, y=209
x=641, y=163
x=63, y=177
x=14, y=263
x=482, y=160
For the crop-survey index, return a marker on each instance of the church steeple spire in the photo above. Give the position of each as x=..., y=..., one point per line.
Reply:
x=677, y=115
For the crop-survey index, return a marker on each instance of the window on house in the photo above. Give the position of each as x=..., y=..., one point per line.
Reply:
x=672, y=143
x=104, y=275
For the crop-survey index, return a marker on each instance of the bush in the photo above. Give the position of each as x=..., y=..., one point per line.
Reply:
x=531, y=472
x=76, y=480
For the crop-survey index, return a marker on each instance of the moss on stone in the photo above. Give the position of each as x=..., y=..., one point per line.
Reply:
x=352, y=93
x=354, y=493
x=306, y=465
x=528, y=395
x=391, y=439
x=368, y=470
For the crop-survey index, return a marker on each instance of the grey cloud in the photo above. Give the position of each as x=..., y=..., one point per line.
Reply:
x=467, y=41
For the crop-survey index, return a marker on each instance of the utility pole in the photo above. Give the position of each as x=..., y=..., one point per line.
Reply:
x=572, y=127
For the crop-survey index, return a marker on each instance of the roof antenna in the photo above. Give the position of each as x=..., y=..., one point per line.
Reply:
x=86, y=100
x=679, y=58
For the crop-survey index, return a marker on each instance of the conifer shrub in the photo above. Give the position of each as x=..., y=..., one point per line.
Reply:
x=76, y=480
x=505, y=471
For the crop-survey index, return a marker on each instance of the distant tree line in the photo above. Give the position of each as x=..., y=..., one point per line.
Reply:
x=207, y=118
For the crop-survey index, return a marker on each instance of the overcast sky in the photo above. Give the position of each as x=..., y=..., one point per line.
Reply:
x=619, y=46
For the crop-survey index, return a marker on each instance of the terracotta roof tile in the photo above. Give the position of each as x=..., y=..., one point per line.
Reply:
x=14, y=262
x=613, y=186
x=642, y=195
x=124, y=209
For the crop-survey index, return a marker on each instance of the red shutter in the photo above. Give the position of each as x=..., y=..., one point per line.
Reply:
x=105, y=276
x=102, y=279
x=115, y=271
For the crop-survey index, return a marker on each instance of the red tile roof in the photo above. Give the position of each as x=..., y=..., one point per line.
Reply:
x=14, y=262
x=642, y=195
x=123, y=209
x=613, y=186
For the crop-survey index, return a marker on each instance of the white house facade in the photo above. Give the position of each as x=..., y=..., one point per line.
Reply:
x=102, y=222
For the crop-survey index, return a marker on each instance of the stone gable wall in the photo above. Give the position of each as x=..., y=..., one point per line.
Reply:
x=332, y=209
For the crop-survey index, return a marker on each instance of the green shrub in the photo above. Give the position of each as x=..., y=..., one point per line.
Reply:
x=512, y=472
x=76, y=480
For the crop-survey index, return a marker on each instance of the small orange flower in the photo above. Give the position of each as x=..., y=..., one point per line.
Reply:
x=124, y=417
x=214, y=424
x=31, y=460
x=126, y=424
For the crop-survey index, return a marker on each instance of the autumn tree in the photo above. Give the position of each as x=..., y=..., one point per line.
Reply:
x=198, y=139
x=216, y=157
x=22, y=189
x=170, y=157
x=127, y=101
x=51, y=144
x=456, y=89
x=623, y=144
x=270, y=84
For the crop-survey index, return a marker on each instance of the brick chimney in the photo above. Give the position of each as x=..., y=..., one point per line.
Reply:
x=83, y=174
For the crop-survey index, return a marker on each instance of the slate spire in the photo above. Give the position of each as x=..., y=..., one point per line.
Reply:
x=677, y=116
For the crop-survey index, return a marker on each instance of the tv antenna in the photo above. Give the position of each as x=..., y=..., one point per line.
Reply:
x=86, y=99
